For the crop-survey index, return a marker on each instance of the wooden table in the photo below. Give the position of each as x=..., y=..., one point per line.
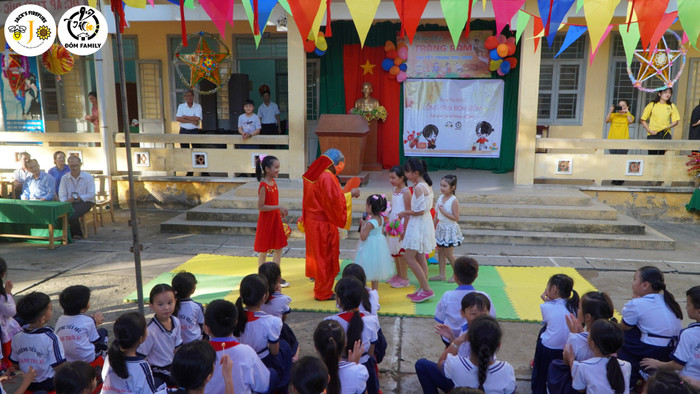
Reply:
x=35, y=220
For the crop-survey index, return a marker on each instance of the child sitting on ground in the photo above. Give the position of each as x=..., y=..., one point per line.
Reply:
x=309, y=376
x=190, y=313
x=77, y=377
x=193, y=368
x=78, y=332
x=37, y=346
x=277, y=304
x=249, y=372
x=448, y=311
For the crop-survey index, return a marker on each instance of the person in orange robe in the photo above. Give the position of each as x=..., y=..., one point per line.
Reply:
x=326, y=208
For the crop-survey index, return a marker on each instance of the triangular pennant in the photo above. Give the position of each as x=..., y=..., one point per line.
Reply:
x=665, y=23
x=93, y=3
x=559, y=10
x=456, y=14
x=571, y=36
x=688, y=11
x=316, y=26
x=362, y=12
x=264, y=10
x=284, y=4
x=630, y=39
x=604, y=36
x=220, y=12
x=685, y=39
x=541, y=33
x=304, y=12
x=504, y=11
x=537, y=29
x=410, y=12
x=188, y=4
x=598, y=16
x=579, y=4
x=523, y=20
x=649, y=14
x=136, y=3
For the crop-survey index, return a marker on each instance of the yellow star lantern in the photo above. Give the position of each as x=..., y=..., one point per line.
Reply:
x=367, y=68
x=203, y=63
x=657, y=62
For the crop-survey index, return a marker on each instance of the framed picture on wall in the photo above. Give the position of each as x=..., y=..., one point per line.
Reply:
x=634, y=167
x=565, y=166
x=199, y=160
x=142, y=159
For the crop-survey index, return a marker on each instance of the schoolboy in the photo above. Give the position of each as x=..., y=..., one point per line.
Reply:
x=248, y=123
x=249, y=373
x=78, y=332
x=466, y=270
x=37, y=346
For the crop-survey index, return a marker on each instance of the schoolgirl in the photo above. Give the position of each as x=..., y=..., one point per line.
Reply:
x=277, y=304
x=447, y=231
x=400, y=201
x=193, y=368
x=189, y=312
x=345, y=376
x=309, y=376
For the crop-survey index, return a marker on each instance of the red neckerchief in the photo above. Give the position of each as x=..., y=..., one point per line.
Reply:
x=251, y=316
x=348, y=315
x=223, y=345
x=270, y=298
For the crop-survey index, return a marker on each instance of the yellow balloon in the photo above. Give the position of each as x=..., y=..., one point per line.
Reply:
x=321, y=43
x=495, y=64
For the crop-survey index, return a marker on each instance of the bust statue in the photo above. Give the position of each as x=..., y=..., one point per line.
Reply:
x=367, y=102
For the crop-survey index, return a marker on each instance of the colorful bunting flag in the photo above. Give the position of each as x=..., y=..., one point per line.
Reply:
x=598, y=15
x=521, y=23
x=410, y=12
x=665, y=24
x=604, y=36
x=220, y=12
x=362, y=12
x=136, y=3
x=93, y=3
x=630, y=38
x=304, y=12
x=571, y=36
x=537, y=29
x=504, y=11
x=457, y=14
x=688, y=11
x=264, y=10
x=579, y=4
x=316, y=26
x=285, y=6
x=557, y=13
x=649, y=14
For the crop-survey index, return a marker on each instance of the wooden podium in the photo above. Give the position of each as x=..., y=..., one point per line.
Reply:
x=347, y=133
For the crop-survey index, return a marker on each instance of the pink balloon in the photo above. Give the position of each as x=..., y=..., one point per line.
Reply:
x=401, y=76
x=500, y=72
x=501, y=39
x=510, y=40
x=403, y=52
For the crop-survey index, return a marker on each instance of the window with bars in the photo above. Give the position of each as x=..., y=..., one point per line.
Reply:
x=49, y=93
x=562, y=83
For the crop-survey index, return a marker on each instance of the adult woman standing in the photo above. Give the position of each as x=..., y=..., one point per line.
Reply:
x=60, y=169
x=661, y=115
x=619, y=118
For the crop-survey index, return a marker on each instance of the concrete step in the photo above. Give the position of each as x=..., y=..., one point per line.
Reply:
x=251, y=203
x=243, y=215
x=594, y=211
x=180, y=224
x=651, y=240
x=624, y=224
x=515, y=196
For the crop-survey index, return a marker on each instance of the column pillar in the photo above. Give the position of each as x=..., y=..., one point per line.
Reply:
x=296, y=62
x=106, y=100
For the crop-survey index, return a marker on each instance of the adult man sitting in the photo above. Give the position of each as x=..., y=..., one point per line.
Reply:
x=20, y=174
x=78, y=188
x=38, y=185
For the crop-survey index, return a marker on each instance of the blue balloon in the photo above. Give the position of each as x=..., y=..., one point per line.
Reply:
x=494, y=55
x=387, y=64
x=403, y=67
x=319, y=52
x=505, y=67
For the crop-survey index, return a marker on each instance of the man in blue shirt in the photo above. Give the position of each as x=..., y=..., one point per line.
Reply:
x=39, y=185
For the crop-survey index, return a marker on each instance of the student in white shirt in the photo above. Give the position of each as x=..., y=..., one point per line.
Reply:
x=193, y=368
x=269, y=114
x=163, y=334
x=8, y=325
x=78, y=332
x=480, y=370
x=603, y=373
x=190, y=313
x=560, y=300
x=189, y=114
x=345, y=376
x=277, y=304
x=651, y=320
x=248, y=372
x=77, y=377
x=248, y=122
x=37, y=345
x=262, y=331
x=686, y=357
x=78, y=188
x=125, y=371
x=666, y=381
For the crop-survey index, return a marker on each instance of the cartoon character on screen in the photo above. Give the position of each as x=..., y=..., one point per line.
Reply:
x=483, y=130
x=430, y=132
x=436, y=68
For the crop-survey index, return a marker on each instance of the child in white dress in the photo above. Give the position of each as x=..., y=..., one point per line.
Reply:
x=373, y=252
x=419, y=238
x=447, y=232
x=396, y=227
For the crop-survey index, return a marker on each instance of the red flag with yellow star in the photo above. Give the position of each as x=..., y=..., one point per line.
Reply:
x=362, y=65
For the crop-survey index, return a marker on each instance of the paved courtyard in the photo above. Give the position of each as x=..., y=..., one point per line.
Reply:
x=105, y=264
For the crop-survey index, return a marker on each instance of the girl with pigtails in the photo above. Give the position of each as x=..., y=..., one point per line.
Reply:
x=346, y=374
x=373, y=251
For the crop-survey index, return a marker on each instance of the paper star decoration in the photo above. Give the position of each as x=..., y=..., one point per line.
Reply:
x=204, y=63
x=367, y=68
x=657, y=62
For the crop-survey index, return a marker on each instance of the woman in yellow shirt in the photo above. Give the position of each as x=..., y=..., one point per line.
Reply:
x=619, y=127
x=661, y=115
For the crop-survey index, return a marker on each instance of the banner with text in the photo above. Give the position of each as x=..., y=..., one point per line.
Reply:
x=433, y=55
x=453, y=118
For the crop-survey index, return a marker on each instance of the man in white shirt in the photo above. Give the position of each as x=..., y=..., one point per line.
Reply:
x=20, y=174
x=189, y=114
x=269, y=114
x=78, y=188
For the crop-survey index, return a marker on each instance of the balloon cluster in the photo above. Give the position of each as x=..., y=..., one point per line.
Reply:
x=501, y=51
x=395, y=62
x=319, y=46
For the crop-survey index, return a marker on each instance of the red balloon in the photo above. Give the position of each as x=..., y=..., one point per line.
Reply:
x=511, y=48
x=491, y=43
x=513, y=62
x=392, y=54
x=310, y=46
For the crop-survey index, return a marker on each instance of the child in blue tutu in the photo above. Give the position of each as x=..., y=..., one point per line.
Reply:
x=373, y=251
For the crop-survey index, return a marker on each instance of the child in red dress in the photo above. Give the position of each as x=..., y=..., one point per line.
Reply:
x=269, y=234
